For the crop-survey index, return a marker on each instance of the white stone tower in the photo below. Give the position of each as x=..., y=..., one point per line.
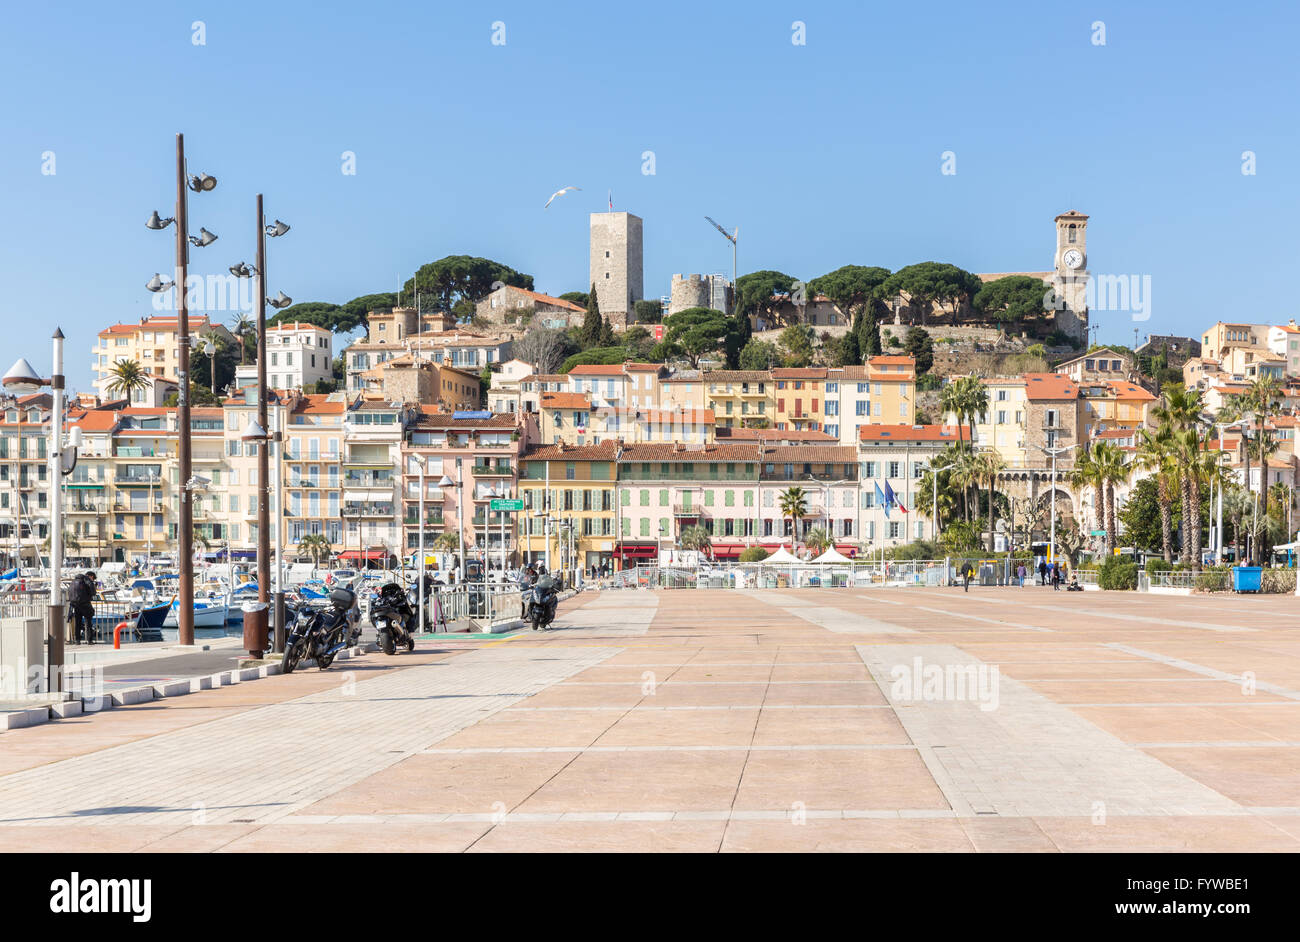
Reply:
x=616, y=265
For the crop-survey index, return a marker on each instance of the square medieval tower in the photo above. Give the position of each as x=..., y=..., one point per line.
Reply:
x=616, y=265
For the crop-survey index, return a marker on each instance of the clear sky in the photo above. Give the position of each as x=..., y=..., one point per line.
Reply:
x=824, y=154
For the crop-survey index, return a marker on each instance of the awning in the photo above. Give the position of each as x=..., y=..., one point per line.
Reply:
x=369, y=554
x=638, y=550
x=848, y=549
x=727, y=550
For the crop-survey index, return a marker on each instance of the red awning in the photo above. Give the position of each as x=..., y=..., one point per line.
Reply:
x=847, y=549
x=638, y=550
x=369, y=554
x=727, y=550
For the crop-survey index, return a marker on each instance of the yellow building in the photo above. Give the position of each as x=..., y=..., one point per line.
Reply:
x=737, y=398
x=569, y=518
x=152, y=343
x=800, y=395
x=1114, y=405
x=1002, y=426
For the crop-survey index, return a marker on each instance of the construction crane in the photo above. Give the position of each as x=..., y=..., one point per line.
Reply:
x=730, y=237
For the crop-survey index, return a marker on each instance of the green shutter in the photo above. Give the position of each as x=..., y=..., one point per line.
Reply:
x=626, y=498
x=645, y=526
x=729, y=498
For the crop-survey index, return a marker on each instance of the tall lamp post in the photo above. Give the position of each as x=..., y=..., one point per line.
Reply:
x=243, y=270
x=422, y=463
x=22, y=379
x=198, y=183
x=1054, y=451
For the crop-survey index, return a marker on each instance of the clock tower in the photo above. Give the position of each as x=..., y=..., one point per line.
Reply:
x=1071, y=261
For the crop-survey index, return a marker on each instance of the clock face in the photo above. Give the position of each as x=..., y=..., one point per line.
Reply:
x=1073, y=258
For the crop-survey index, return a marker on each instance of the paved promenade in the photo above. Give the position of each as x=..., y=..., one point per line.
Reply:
x=931, y=719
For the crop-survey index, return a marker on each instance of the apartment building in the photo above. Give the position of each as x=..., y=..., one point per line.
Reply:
x=152, y=343
x=1002, y=426
x=505, y=393
x=24, y=477
x=880, y=391
x=312, y=471
x=374, y=430
x=799, y=396
x=1223, y=337
x=828, y=477
x=629, y=386
x=1098, y=366
x=569, y=516
x=737, y=398
x=298, y=356
x=687, y=389
x=534, y=386
x=1117, y=404
x=1052, y=418
x=480, y=456
x=898, y=456
x=1284, y=341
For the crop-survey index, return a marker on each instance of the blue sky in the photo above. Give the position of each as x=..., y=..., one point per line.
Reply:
x=824, y=154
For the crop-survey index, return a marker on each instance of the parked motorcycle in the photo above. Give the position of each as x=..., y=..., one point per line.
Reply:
x=321, y=634
x=394, y=615
x=540, y=602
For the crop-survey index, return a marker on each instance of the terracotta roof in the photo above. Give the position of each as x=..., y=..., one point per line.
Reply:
x=1127, y=390
x=1105, y=352
x=809, y=372
x=1050, y=386
x=772, y=435
x=565, y=400
x=676, y=451
x=98, y=420
x=605, y=451
x=298, y=326
x=544, y=378
x=318, y=403
x=892, y=359
x=913, y=433
x=429, y=418
x=546, y=298
x=597, y=369
x=726, y=376
x=823, y=454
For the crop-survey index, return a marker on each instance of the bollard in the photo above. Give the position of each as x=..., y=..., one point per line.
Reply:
x=117, y=635
x=255, y=615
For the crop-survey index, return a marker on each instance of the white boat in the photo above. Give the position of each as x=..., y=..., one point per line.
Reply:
x=212, y=614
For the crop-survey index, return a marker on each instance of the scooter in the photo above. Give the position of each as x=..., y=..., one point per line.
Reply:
x=320, y=635
x=394, y=618
x=540, y=602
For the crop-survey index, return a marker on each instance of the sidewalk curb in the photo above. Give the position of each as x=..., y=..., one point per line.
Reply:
x=147, y=693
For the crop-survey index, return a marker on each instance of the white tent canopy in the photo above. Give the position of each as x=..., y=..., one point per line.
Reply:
x=782, y=556
x=832, y=556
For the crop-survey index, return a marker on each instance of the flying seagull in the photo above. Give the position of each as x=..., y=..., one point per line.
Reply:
x=560, y=192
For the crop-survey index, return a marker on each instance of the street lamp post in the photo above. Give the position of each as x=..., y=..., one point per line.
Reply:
x=421, y=462
x=241, y=270
x=1054, y=451
x=199, y=183
x=20, y=379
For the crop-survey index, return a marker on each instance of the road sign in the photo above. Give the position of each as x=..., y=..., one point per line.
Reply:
x=506, y=503
x=1098, y=532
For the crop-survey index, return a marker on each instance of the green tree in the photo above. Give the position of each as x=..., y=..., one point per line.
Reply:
x=321, y=313
x=1143, y=517
x=576, y=297
x=696, y=538
x=990, y=465
x=1111, y=470
x=462, y=277
x=697, y=331
x=794, y=507
x=759, y=355
x=920, y=346
x=127, y=377
x=648, y=312
x=842, y=351
x=927, y=282
x=753, y=554
x=754, y=292
x=352, y=315
x=817, y=541
x=1011, y=300
x=796, y=345
x=316, y=546
x=967, y=398
x=867, y=330
x=242, y=326
x=592, y=323
x=853, y=289
x=1156, y=454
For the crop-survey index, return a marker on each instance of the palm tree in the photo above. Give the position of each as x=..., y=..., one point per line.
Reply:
x=211, y=336
x=817, y=541
x=966, y=474
x=128, y=376
x=1196, y=465
x=317, y=546
x=1237, y=506
x=696, y=538
x=69, y=542
x=1084, y=475
x=1180, y=412
x=1111, y=470
x=1156, y=454
x=794, y=507
x=966, y=397
x=241, y=325
x=1263, y=398
x=990, y=464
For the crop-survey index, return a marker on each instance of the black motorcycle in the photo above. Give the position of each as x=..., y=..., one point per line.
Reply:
x=394, y=616
x=321, y=634
x=540, y=601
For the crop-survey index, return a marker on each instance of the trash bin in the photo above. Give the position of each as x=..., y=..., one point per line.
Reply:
x=1247, y=578
x=256, y=640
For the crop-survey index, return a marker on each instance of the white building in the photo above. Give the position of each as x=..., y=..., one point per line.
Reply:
x=297, y=356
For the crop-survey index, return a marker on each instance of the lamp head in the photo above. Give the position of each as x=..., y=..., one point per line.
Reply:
x=155, y=222
x=156, y=284
x=277, y=229
x=203, y=238
x=202, y=182
x=21, y=378
x=243, y=270
x=281, y=300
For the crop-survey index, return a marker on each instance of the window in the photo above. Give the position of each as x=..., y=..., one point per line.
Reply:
x=894, y=527
x=894, y=467
x=863, y=407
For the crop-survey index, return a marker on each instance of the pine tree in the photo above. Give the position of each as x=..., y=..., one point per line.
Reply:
x=607, y=338
x=592, y=324
x=869, y=336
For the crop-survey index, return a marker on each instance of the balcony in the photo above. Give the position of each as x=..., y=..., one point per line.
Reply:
x=376, y=509
x=494, y=520
x=156, y=507
x=688, y=510
x=493, y=471
x=382, y=479
x=431, y=517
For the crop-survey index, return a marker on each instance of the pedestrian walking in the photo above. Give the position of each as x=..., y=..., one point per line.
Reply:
x=1056, y=577
x=81, y=595
x=1042, y=572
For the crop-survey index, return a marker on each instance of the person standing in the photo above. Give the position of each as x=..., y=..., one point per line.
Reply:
x=1042, y=572
x=1056, y=577
x=81, y=594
